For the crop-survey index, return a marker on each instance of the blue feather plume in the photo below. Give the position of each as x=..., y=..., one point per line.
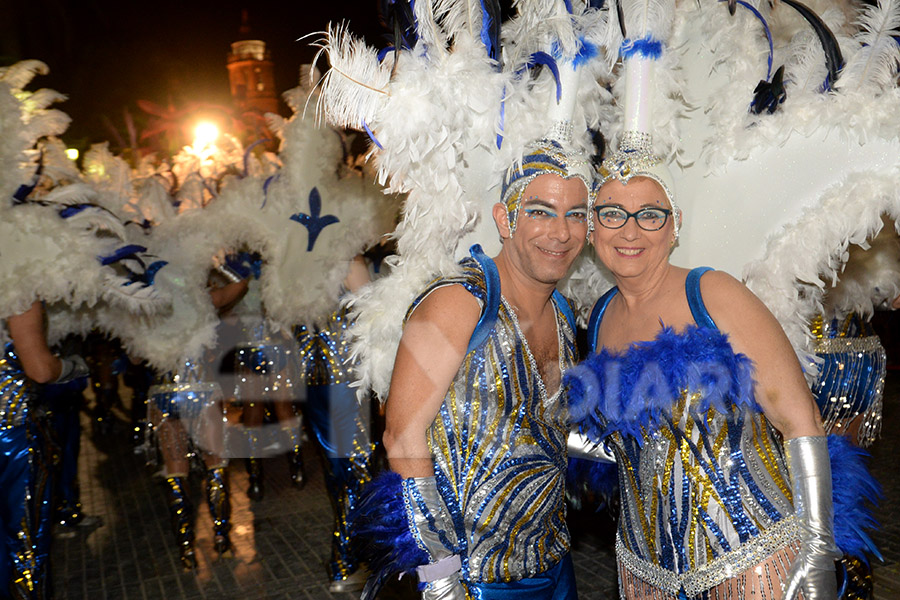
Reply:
x=381, y=532
x=627, y=392
x=854, y=492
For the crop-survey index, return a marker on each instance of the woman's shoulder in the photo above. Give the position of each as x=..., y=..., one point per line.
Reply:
x=727, y=300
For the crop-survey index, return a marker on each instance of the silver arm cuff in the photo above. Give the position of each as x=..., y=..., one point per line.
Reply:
x=73, y=367
x=228, y=273
x=428, y=519
x=813, y=570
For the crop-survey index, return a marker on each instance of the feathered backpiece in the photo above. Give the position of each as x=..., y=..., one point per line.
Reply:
x=303, y=213
x=784, y=121
x=56, y=245
x=447, y=117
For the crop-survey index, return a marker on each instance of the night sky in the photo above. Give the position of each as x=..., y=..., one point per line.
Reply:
x=105, y=55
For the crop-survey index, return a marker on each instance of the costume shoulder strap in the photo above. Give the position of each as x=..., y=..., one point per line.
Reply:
x=695, y=300
x=491, y=306
x=562, y=303
x=597, y=316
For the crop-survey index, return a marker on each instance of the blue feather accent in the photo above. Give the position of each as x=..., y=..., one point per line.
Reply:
x=542, y=58
x=586, y=52
x=853, y=491
x=247, y=155
x=120, y=253
x=152, y=270
x=266, y=184
x=73, y=209
x=645, y=48
x=765, y=25
x=502, y=119
x=385, y=51
x=24, y=190
x=372, y=135
x=486, y=31
x=381, y=531
x=611, y=392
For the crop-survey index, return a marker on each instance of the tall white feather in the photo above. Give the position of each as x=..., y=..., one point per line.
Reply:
x=873, y=68
x=356, y=86
x=648, y=18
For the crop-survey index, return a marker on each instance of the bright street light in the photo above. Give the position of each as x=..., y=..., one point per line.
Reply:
x=205, y=133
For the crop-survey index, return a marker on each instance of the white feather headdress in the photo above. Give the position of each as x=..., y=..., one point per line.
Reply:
x=446, y=122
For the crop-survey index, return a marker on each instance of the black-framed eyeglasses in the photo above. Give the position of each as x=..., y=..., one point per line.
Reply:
x=648, y=219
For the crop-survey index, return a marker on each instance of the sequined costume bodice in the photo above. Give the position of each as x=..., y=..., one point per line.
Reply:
x=499, y=447
x=184, y=393
x=703, y=481
x=15, y=389
x=851, y=376
x=325, y=351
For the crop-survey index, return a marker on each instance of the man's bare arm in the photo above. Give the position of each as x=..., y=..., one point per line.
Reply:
x=431, y=351
x=27, y=332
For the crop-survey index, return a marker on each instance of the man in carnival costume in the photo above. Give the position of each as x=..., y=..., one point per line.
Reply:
x=475, y=432
x=495, y=338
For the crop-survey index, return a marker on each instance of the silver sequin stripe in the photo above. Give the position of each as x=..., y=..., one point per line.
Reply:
x=870, y=428
x=710, y=575
x=856, y=344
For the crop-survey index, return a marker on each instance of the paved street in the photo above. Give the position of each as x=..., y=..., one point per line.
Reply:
x=281, y=542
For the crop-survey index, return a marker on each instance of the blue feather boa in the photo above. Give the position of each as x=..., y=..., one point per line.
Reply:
x=624, y=393
x=381, y=530
x=853, y=491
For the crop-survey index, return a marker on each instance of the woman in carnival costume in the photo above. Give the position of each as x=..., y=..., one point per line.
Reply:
x=453, y=118
x=751, y=163
x=42, y=243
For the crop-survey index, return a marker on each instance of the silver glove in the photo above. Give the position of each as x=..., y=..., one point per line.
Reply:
x=441, y=576
x=72, y=367
x=813, y=570
x=580, y=446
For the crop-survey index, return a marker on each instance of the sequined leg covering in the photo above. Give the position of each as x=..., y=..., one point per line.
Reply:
x=295, y=456
x=254, y=466
x=219, y=507
x=856, y=580
x=67, y=433
x=345, y=468
x=254, y=478
x=24, y=514
x=182, y=515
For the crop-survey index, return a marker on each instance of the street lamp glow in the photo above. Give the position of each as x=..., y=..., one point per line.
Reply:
x=205, y=133
x=72, y=153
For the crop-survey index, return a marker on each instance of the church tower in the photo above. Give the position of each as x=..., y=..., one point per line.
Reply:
x=251, y=73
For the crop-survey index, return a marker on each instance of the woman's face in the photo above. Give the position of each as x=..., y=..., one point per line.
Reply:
x=631, y=251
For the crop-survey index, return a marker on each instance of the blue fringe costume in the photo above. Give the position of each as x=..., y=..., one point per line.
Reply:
x=704, y=485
